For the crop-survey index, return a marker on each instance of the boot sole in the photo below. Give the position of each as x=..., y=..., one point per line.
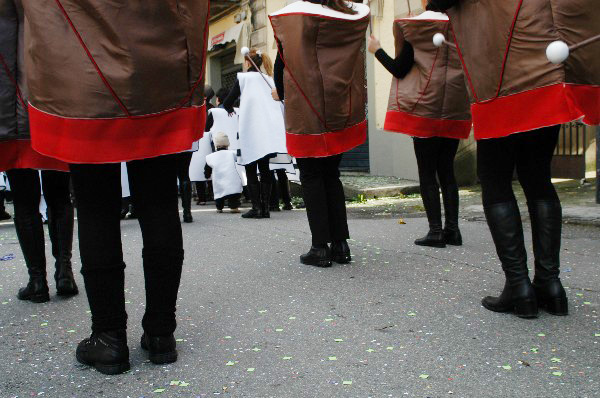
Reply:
x=67, y=293
x=36, y=299
x=161, y=359
x=106, y=369
x=526, y=310
x=557, y=307
x=320, y=264
x=436, y=245
x=342, y=260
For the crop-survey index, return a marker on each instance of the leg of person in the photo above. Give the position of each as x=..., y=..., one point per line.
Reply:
x=220, y=204
x=253, y=190
x=265, y=187
x=3, y=214
x=25, y=185
x=336, y=210
x=234, y=202
x=124, y=207
x=445, y=172
x=201, y=191
x=274, y=199
x=162, y=253
x=98, y=192
x=185, y=186
x=284, y=189
x=534, y=158
x=55, y=185
x=427, y=151
x=314, y=193
x=496, y=164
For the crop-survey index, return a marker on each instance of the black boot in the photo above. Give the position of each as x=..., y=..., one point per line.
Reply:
x=433, y=208
x=30, y=232
x=60, y=228
x=546, y=227
x=107, y=352
x=340, y=252
x=254, y=191
x=319, y=256
x=518, y=296
x=186, y=201
x=124, y=208
x=452, y=235
x=265, y=198
x=162, y=349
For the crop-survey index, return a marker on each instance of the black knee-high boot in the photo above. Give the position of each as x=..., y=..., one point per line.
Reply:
x=452, y=235
x=60, y=227
x=431, y=200
x=186, y=201
x=546, y=227
x=30, y=232
x=518, y=296
x=254, y=191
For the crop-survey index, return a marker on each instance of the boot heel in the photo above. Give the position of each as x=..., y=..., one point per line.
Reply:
x=557, y=306
x=113, y=369
x=526, y=309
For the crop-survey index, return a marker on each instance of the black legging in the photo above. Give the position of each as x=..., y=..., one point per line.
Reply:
x=183, y=166
x=26, y=190
x=263, y=167
x=98, y=192
x=324, y=199
x=435, y=157
x=530, y=152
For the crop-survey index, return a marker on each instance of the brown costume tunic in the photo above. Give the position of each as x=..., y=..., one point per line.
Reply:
x=323, y=52
x=432, y=100
x=512, y=84
x=15, y=142
x=115, y=81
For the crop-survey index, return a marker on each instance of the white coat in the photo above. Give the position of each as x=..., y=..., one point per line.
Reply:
x=226, y=180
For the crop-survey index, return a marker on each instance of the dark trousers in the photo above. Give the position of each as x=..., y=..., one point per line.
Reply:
x=263, y=167
x=2, y=206
x=201, y=191
x=98, y=192
x=233, y=201
x=530, y=153
x=435, y=160
x=324, y=198
x=280, y=188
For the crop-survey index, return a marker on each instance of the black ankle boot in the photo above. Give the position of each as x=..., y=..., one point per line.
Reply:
x=107, y=352
x=518, y=296
x=317, y=256
x=162, y=349
x=186, y=201
x=546, y=227
x=340, y=252
x=431, y=201
x=452, y=235
x=265, y=198
x=254, y=192
x=30, y=232
x=60, y=227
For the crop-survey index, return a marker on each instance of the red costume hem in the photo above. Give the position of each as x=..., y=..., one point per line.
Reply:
x=537, y=108
x=326, y=144
x=418, y=126
x=118, y=139
x=18, y=154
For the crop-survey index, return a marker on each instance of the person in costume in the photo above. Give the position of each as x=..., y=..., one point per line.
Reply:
x=110, y=83
x=22, y=163
x=324, y=91
x=261, y=129
x=429, y=102
x=518, y=101
x=222, y=167
x=185, y=184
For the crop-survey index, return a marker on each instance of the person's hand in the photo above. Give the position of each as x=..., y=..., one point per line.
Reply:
x=374, y=44
x=275, y=95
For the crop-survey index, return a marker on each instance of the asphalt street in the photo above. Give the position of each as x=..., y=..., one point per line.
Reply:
x=399, y=321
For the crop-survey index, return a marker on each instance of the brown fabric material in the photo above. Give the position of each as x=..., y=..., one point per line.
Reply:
x=325, y=72
x=482, y=28
x=435, y=87
x=151, y=53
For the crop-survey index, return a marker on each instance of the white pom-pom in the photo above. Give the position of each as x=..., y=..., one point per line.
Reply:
x=557, y=52
x=439, y=39
x=245, y=51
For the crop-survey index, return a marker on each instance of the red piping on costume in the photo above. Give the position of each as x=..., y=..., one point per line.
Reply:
x=323, y=122
x=505, y=60
x=423, y=127
x=18, y=154
x=320, y=16
x=92, y=60
x=118, y=139
x=14, y=82
x=326, y=144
